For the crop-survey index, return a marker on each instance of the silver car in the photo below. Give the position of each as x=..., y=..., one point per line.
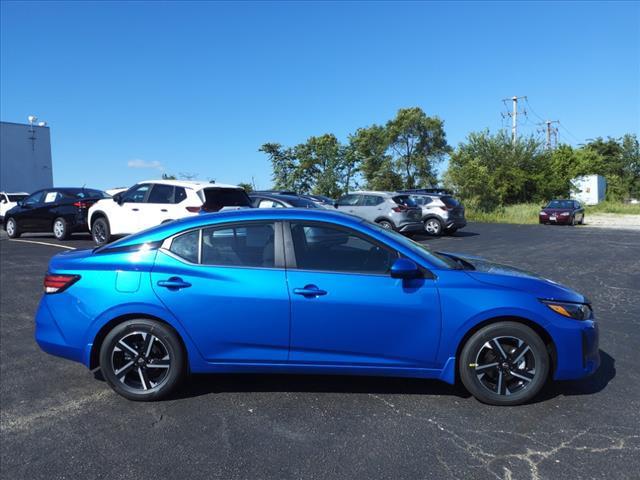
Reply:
x=440, y=213
x=394, y=211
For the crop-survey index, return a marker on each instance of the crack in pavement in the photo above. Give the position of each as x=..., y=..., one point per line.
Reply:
x=531, y=457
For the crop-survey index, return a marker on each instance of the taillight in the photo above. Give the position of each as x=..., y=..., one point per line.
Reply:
x=444, y=208
x=193, y=209
x=400, y=208
x=58, y=283
x=81, y=204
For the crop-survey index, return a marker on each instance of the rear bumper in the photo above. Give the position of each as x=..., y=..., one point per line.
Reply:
x=456, y=223
x=50, y=338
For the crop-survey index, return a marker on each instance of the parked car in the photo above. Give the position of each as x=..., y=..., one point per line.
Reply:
x=9, y=200
x=393, y=211
x=308, y=291
x=440, y=213
x=273, y=200
x=153, y=202
x=568, y=212
x=61, y=211
x=321, y=200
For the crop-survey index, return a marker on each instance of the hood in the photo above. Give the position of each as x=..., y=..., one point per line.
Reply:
x=511, y=277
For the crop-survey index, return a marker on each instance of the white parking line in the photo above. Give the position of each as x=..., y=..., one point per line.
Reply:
x=43, y=243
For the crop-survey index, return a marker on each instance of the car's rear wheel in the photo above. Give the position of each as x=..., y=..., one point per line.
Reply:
x=60, y=229
x=451, y=231
x=505, y=363
x=13, y=231
x=100, y=231
x=385, y=224
x=142, y=360
x=433, y=227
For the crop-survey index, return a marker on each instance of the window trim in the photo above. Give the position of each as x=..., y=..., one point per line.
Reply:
x=279, y=256
x=290, y=254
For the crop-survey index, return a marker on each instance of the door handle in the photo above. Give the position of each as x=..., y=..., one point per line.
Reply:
x=174, y=283
x=163, y=209
x=135, y=209
x=309, y=291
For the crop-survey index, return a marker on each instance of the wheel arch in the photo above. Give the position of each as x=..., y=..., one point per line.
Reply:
x=536, y=327
x=382, y=218
x=96, y=215
x=94, y=355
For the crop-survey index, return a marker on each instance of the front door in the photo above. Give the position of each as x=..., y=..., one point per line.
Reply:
x=227, y=286
x=346, y=308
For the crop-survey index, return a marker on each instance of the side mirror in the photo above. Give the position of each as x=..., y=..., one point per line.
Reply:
x=405, y=268
x=335, y=205
x=117, y=198
x=3, y=200
x=19, y=203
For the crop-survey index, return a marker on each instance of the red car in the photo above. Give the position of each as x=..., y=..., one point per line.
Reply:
x=566, y=212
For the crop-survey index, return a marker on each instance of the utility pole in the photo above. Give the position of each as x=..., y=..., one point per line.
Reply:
x=550, y=131
x=514, y=116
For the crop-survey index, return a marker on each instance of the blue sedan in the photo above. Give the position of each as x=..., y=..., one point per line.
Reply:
x=308, y=291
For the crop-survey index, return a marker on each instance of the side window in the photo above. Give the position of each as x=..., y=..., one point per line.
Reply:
x=250, y=245
x=51, y=197
x=326, y=248
x=266, y=203
x=348, y=200
x=371, y=200
x=161, y=194
x=136, y=194
x=186, y=246
x=179, y=195
x=33, y=199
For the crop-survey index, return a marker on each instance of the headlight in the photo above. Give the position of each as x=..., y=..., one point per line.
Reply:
x=543, y=213
x=564, y=214
x=577, y=311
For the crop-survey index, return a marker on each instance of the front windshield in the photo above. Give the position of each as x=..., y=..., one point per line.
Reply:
x=560, y=204
x=434, y=258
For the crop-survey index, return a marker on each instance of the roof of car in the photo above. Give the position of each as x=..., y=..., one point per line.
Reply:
x=15, y=193
x=191, y=184
x=371, y=192
x=171, y=228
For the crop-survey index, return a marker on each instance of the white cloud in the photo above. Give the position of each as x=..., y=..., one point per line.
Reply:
x=139, y=163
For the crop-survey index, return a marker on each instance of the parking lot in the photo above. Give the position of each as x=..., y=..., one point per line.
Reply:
x=58, y=421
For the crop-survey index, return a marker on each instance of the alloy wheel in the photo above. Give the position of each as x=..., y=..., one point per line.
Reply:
x=11, y=227
x=140, y=361
x=432, y=227
x=505, y=365
x=58, y=229
x=99, y=233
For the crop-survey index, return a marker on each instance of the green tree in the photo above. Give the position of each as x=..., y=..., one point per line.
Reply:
x=246, y=186
x=168, y=176
x=283, y=165
x=418, y=142
x=370, y=146
x=319, y=165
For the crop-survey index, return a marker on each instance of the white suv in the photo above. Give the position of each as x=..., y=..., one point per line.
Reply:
x=10, y=200
x=153, y=202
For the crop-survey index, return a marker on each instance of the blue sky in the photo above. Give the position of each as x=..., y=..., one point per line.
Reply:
x=198, y=87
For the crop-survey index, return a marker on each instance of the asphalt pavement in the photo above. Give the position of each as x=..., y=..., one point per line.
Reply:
x=57, y=421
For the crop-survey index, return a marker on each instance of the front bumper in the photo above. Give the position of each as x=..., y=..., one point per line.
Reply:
x=559, y=219
x=577, y=350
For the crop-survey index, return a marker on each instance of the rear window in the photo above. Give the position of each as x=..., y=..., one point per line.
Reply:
x=218, y=198
x=405, y=200
x=302, y=203
x=450, y=202
x=81, y=193
x=16, y=198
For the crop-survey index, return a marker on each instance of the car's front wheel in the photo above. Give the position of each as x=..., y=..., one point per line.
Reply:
x=100, y=231
x=142, y=359
x=504, y=363
x=13, y=231
x=386, y=224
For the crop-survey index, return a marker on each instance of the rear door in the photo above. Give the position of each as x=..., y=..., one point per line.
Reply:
x=160, y=204
x=227, y=285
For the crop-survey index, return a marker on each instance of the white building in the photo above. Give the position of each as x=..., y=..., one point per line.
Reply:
x=25, y=157
x=589, y=189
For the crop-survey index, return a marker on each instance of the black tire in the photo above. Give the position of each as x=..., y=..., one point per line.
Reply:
x=387, y=225
x=131, y=365
x=60, y=229
x=451, y=231
x=13, y=230
x=582, y=220
x=101, y=232
x=499, y=385
x=573, y=221
x=433, y=227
